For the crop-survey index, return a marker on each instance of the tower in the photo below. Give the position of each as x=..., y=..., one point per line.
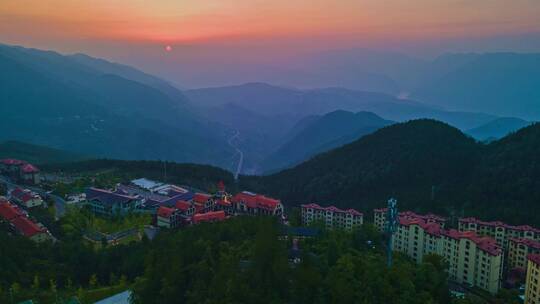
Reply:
x=391, y=226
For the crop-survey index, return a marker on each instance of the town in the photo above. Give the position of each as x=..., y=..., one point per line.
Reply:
x=481, y=255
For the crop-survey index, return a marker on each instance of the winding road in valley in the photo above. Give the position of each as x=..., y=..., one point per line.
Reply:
x=231, y=142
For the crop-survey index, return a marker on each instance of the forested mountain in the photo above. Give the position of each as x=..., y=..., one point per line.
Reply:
x=56, y=101
x=322, y=134
x=497, y=128
x=427, y=165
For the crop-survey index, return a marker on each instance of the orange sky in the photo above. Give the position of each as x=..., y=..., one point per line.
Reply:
x=191, y=21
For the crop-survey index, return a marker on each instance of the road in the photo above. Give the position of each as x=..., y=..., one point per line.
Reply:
x=239, y=152
x=59, y=203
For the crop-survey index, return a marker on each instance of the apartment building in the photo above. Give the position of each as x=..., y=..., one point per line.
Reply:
x=500, y=231
x=379, y=218
x=532, y=283
x=473, y=260
x=332, y=216
x=518, y=251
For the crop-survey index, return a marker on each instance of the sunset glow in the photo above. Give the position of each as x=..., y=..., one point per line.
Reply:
x=200, y=21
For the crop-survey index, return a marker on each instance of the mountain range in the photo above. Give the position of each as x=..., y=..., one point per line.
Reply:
x=95, y=107
x=427, y=165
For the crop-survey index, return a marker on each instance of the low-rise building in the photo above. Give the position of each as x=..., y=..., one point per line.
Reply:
x=203, y=202
x=518, y=251
x=19, y=220
x=26, y=198
x=473, y=260
x=500, y=231
x=332, y=217
x=167, y=217
x=256, y=204
x=20, y=171
x=379, y=218
x=108, y=203
x=532, y=282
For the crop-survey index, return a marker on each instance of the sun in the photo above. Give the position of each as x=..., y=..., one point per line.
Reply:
x=168, y=48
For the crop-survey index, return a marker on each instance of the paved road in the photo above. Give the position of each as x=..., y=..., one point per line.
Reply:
x=238, y=151
x=59, y=203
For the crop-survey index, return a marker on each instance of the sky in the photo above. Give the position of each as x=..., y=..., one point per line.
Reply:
x=207, y=31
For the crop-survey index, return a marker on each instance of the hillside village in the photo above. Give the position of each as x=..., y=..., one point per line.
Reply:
x=481, y=256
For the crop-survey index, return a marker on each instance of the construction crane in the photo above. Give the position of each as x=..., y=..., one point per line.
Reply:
x=391, y=226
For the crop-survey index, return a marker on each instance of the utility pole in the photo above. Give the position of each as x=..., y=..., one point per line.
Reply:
x=391, y=226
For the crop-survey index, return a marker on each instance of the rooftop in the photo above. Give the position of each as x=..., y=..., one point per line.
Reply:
x=253, y=200
x=108, y=197
x=332, y=208
x=473, y=220
x=209, y=216
x=26, y=227
x=527, y=242
x=535, y=258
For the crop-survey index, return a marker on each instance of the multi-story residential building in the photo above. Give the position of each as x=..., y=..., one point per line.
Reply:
x=379, y=218
x=108, y=203
x=26, y=198
x=500, y=231
x=472, y=260
x=22, y=224
x=532, y=283
x=256, y=204
x=518, y=251
x=331, y=216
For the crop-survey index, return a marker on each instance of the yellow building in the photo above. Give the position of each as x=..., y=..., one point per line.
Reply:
x=518, y=251
x=379, y=218
x=500, y=231
x=473, y=260
x=532, y=284
x=332, y=217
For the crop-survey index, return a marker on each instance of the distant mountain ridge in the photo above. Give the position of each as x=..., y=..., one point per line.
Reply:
x=498, y=128
x=503, y=84
x=37, y=154
x=322, y=134
x=53, y=100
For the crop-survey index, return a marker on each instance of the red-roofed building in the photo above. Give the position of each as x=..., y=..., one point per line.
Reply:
x=20, y=170
x=186, y=208
x=26, y=198
x=256, y=204
x=213, y=216
x=21, y=223
x=8, y=211
x=203, y=202
x=532, y=282
x=30, y=229
x=500, y=231
x=379, y=218
x=331, y=216
x=518, y=251
x=168, y=217
x=473, y=260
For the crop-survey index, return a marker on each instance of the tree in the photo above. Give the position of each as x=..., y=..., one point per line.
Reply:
x=93, y=282
x=35, y=283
